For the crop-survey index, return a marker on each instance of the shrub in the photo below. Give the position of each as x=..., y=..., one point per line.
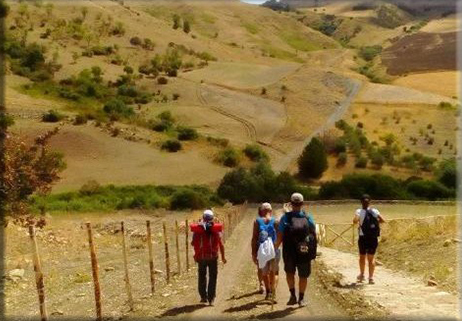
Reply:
x=185, y=133
x=430, y=190
x=118, y=29
x=368, y=53
x=117, y=107
x=171, y=145
x=255, y=153
x=175, y=96
x=340, y=145
x=52, y=116
x=361, y=162
x=447, y=173
x=162, y=81
x=222, y=142
x=187, y=199
x=135, y=41
x=229, y=157
x=263, y=91
x=80, y=120
x=176, y=21
x=342, y=159
x=377, y=160
x=186, y=26
x=313, y=161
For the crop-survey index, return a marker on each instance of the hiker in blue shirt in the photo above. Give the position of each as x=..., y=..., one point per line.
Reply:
x=297, y=233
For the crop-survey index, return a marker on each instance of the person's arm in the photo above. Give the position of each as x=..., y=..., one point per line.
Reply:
x=254, y=242
x=278, y=240
x=380, y=217
x=222, y=250
x=356, y=218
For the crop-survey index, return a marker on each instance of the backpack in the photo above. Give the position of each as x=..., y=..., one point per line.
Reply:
x=370, y=226
x=266, y=230
x=206, y=240
x=301, y=234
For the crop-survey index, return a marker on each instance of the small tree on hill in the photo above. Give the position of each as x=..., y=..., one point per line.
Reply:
x=313, y=161
x=176, y=21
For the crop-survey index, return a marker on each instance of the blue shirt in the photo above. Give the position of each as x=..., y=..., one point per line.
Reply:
x=284, y=219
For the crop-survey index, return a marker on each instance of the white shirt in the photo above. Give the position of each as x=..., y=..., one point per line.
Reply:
x=265, y=253
x=361, y=213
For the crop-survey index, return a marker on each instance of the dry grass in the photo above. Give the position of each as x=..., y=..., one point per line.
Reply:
x=444, y=83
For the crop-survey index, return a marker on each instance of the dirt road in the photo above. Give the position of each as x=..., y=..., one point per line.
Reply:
x=236, y=292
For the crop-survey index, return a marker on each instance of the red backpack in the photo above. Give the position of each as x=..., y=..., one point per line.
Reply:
x=206, y=243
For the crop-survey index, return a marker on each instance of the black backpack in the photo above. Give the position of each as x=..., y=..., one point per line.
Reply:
x=302, y=236
x=371, y=225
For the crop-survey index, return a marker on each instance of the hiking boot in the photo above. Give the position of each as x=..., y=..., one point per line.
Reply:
x=203, y=300
x=371, y=281
x=292, y=300
x=360, y=278
x=302, y=303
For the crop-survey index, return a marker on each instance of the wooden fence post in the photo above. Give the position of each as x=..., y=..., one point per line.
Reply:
x=353, y=234
x=186, y=234
x=94, y=267
x=167, y=256
x=128, y=287
x=151, y=260
x=177, y=244
x=38, y=275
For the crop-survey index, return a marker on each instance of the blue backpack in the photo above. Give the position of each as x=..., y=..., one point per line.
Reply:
x=266, y=230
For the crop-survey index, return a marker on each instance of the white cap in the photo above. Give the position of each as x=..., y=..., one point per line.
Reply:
x=208, y=215
x=266, y=206
x=296, y=198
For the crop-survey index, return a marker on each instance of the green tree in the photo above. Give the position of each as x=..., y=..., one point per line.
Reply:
x=313, y=161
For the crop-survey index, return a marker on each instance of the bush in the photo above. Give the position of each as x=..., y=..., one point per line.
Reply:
x=187, y=199
x=313, y=161
x=221, y=142
x=368, y=53
x=361, y=162
x=162, y=81
x=255, y=153
x=377, y=160
x=229, y=157
x=342, y=159
x=430, y=190
x=135, y=41
x=52, y=116
x=186, y=26
x=447, y=173
x=340, y=145
x=117, y=107
x=171, y=145
x=185, y=133
x=80, y=120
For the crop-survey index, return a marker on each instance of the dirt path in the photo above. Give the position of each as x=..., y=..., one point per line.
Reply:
x=402, y=295
x=236, y=292
x=342, y=108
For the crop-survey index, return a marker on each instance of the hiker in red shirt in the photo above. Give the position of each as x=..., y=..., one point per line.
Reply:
x=207, y=242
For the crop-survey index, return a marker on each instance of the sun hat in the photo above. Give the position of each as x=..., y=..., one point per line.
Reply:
x=296, y=198
x=208, y=215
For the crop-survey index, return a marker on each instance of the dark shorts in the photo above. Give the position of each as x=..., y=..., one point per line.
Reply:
x=294, y=263
x=367, y=245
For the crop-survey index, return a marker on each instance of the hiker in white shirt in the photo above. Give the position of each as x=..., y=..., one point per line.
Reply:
x=368, y=220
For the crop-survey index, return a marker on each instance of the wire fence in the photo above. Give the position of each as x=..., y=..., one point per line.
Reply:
x=117, y=262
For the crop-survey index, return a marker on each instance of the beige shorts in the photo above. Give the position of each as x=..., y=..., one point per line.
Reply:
x=271, y=266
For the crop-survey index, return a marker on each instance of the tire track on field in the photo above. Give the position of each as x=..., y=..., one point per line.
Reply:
x=249, y=127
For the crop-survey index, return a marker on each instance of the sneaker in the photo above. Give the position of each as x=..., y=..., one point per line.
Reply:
x=302, y=303
x=371, y=281
x=203, y=300
x=268, y=296
x=360, y=278
x=292, y=300
x=211, y=301
x=261, y=290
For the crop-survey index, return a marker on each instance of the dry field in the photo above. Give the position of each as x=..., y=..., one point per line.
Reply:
x=447, y=24
x=444, y=83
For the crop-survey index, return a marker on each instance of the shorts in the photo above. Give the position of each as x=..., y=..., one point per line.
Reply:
x=292, y=263
x=367, y=245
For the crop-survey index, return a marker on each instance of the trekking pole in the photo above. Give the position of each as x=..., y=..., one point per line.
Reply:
x=128, y=287
x=38, y=275
x=94, y=267
x=353, y=234
x=151, y=261
x=177, y=244
x=167, y=256
x=186, y=234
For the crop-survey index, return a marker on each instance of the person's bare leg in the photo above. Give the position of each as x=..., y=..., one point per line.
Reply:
x=371, y=262
x=260, y=280
x=362, y=263
x=266, y=281
x=290, y=280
